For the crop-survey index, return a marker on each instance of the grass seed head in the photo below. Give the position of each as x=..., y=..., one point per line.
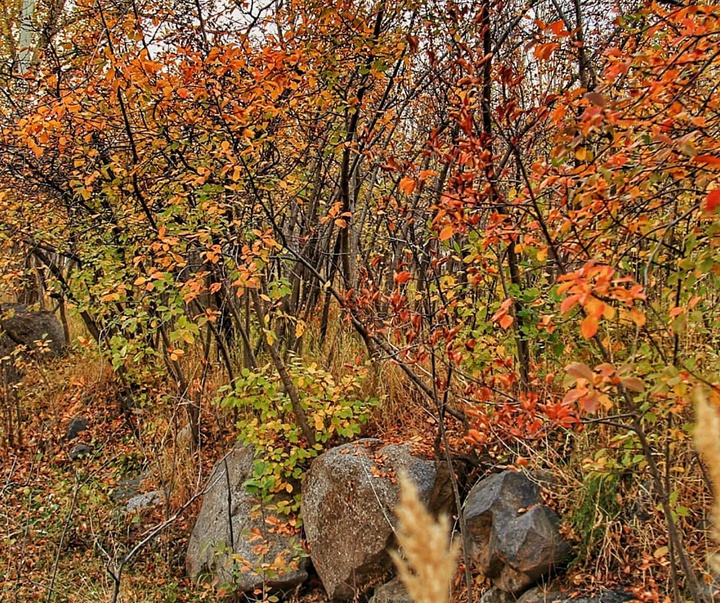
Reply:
x=426, y=563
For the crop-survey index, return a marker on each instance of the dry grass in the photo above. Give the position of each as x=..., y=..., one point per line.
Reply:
x=427, y=563
x=707, y=440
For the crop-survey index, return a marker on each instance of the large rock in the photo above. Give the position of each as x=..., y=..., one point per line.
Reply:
x=349, y=495
x=23, y=327
x=543, y=594
x=391, y=592
x=515, y=538
x=233, y=542
x=549, y=593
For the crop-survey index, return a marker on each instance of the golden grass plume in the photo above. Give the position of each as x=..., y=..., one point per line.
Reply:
x=426, y=565
x=707, y=441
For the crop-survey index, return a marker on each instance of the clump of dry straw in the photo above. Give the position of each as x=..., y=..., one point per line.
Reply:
x=707, y=441
x=427, y=563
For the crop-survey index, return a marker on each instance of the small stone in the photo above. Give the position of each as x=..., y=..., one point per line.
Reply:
x=144, y=501
x=76, y=427
x=126, y=488
x=80, y=451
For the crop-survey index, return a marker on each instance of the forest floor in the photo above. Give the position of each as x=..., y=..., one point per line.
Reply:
x=65, y=529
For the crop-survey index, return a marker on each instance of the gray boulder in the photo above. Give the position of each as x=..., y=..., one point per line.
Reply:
x=542, y=593
x=23, y=327
x=232, y=542
x=30, y=332
x=349, y=494
x=496, y=595
x=516, y=539
x=545, y=594
x=391, y=592
x=126, y=488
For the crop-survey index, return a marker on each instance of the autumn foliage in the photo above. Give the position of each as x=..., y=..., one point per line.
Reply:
x=514, y=204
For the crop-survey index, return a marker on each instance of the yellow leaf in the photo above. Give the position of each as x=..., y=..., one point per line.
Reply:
x=299, y=328
x=661, y=552
x=638, y=317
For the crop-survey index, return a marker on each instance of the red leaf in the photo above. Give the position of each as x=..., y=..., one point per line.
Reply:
x=708, y=160
x=713, y=200
x=402, y=277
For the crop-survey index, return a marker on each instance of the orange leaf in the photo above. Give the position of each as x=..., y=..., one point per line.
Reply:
x=579, y=369
x=543, y=51
x=407, y=185
x=475, y=435
x=557, y=27
x=596, y=98
x=589, y=403
x=506, y=320
x=568, y=303
x=589, y=327
x=446, y=233
x=638, y=317
x=574, y=394
x=676, y=311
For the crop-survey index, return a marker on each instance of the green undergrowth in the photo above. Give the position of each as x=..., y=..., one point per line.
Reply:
x=337, y=408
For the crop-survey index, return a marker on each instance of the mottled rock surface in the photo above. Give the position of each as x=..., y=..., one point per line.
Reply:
x=80, y=451
x=391, y=592
x=145, y=501
x=232, y=542
x=516, y=539
x=349, y=495
x=21, y=326
x=76, y=427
